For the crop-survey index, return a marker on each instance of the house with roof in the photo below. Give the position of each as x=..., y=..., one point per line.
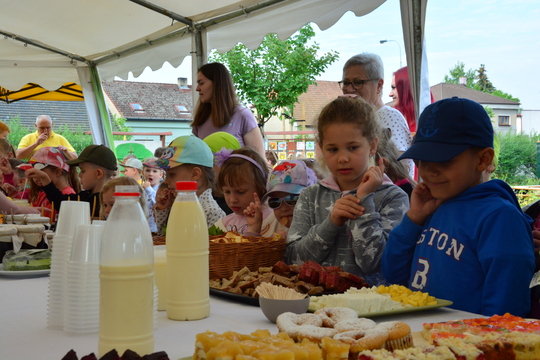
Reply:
x=151, y=107
x=305, y=111
x=295, y=137
x=63, y=113
x=507, y=112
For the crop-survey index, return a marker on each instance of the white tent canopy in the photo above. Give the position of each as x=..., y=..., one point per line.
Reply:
x=84, y=41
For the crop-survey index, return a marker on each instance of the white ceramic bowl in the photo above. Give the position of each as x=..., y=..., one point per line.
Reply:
x=272, y=308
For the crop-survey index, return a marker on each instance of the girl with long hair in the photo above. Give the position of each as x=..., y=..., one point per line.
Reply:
x=218, y=108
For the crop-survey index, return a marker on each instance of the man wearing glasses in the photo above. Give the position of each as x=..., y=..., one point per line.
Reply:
x=363, y=76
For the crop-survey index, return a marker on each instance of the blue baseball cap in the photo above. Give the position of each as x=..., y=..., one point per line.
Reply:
x=447, y=128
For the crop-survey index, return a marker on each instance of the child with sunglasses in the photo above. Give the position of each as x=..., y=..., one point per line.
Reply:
x=284, y=185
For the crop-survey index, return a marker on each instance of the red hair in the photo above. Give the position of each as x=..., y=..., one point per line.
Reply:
x=406, y=102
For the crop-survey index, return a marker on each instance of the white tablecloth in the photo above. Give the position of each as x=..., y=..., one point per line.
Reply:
x=24, y=334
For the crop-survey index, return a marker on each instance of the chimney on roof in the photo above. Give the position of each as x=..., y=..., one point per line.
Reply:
x=463, y=80
x=182, y=83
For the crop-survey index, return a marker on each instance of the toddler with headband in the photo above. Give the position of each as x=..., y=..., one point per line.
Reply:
x=242, y=179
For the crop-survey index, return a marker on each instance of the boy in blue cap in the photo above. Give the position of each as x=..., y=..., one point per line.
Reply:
x=462, y=239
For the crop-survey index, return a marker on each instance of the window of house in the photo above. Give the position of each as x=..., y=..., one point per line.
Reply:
x=181, y=108
x=137, y=107
x=504, y=120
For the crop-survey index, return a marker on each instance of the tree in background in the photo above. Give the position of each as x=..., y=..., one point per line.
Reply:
x=274, y=75
x=517, y=159
x=458, y=71
x=482, y=82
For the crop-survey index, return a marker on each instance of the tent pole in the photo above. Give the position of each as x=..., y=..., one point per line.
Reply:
x=198, y=59
x=102, y=108
x=413, y=13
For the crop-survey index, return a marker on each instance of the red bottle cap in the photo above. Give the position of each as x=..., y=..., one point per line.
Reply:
x=126, y=190
x=186, y=186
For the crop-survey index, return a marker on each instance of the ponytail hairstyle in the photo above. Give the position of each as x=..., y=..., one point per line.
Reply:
x=396, y=170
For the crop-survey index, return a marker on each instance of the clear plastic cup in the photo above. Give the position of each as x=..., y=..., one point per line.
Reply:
x=86, y=244
x=71, y=215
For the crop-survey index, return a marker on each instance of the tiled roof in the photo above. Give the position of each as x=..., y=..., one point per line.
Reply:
x=157, y=100
x=71, y=113
x=311, y=102
x=445, y=90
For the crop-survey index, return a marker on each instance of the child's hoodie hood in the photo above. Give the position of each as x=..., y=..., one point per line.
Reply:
x=493, y=187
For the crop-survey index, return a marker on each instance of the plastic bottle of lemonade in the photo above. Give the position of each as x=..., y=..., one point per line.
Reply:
x=126, y=278
x=187, y=257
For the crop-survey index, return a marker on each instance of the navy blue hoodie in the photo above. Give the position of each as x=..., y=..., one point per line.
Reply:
x=475, y=250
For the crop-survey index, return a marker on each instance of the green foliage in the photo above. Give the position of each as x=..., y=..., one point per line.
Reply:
x=17, y=131
x=482, y=82
x=274, y=75
x=517, y=159
x=490, y=112
x=458, y=71
x=504, y=95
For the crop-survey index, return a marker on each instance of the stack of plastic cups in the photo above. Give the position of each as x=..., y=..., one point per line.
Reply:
x=82, y=301
x=71, y=215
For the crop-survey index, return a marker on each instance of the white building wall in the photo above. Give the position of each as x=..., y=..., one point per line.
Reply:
x=530, y=121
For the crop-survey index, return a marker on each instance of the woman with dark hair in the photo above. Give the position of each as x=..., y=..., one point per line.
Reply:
x=403, y=99
x=218, y=109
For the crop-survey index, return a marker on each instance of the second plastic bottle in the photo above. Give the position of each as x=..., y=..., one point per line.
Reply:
x=126, y=319
x=187, y=247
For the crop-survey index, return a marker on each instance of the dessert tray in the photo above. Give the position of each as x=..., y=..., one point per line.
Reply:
x=440, y=303
x=22, y=274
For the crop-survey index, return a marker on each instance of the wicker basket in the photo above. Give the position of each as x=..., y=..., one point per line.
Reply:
x=226, y=258
x=158, y=240
x=258, y=252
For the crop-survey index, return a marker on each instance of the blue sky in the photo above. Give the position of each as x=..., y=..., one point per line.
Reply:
x=503, y=35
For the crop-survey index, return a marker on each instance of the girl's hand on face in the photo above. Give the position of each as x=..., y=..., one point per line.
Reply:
x=423, y=204
x=9, y=189
x=254, y=216
x=38, y=176
x=5, y=167
x=372, y=180
x=169, y=200
x=346, y=208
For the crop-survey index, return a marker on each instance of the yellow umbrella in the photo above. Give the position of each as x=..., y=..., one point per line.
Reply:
x=67, y=92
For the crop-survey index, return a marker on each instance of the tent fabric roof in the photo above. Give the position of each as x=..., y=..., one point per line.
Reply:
x=31, y=91
x=121, y=36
